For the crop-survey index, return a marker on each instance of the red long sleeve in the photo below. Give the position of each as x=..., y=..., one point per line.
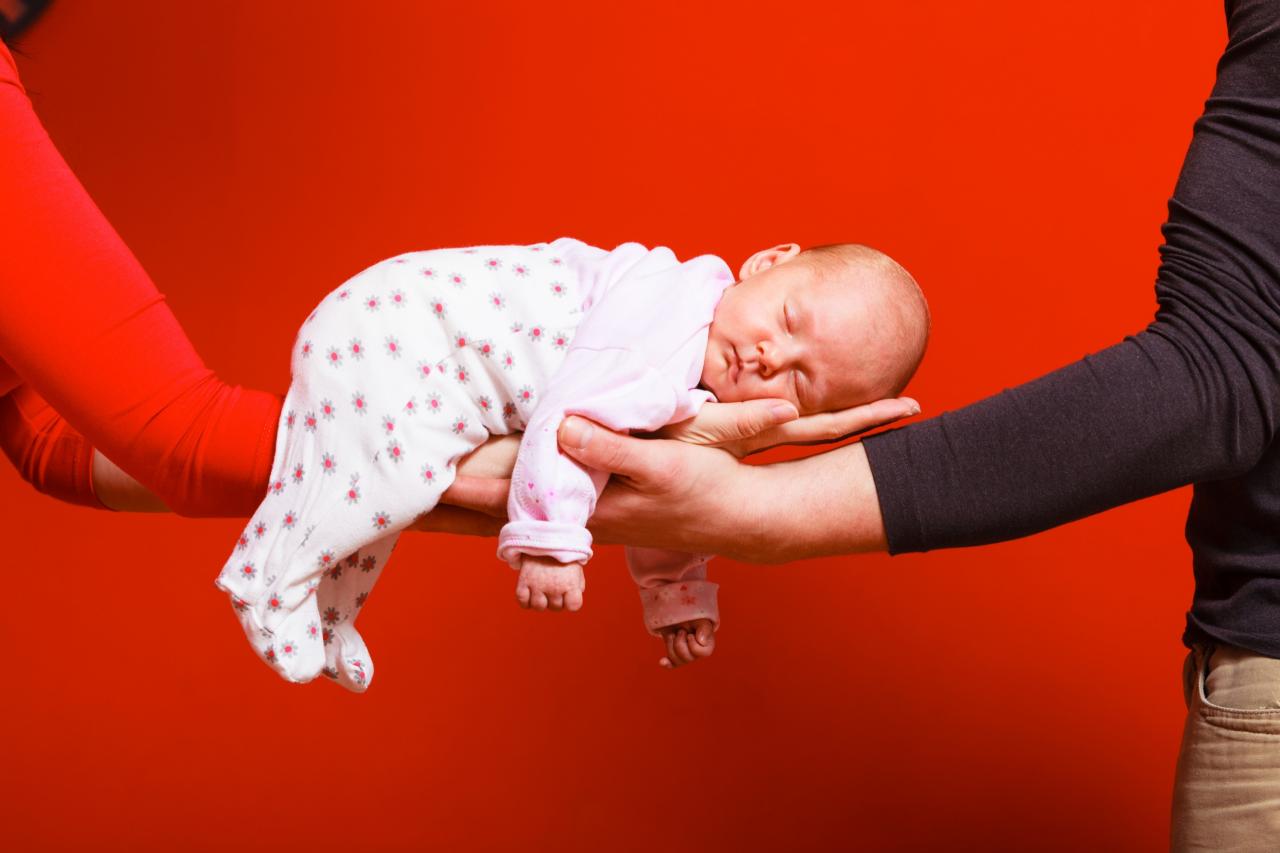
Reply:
x=83, y=326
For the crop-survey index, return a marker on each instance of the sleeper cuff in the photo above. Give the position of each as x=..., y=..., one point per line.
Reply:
x=679, y=602
x=568, y=543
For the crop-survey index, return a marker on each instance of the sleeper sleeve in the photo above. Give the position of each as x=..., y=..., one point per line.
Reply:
x=673, y=587
x=552, y=496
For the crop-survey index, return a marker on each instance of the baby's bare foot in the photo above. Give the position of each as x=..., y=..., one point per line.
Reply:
x=546, y=584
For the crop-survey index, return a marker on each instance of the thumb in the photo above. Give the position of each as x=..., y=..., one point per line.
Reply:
x=704, y=633
x=605, y=450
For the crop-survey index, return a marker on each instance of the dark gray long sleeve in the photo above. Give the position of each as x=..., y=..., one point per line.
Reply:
x=1194, y=398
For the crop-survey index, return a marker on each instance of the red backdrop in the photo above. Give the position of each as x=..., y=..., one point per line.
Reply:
x=1015, y=156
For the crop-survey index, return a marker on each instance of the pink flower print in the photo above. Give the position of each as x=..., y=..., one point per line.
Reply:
x=334, y=357
x=393, y=346
x=259, y=530
x=537, y=333
x=439, y=308
x=353, y=490
x=524, y=395
x=484, y=403
x=428, y=474
x=331, y=616
x=313, y=631
x=371, y=303
x=298, y=473
x=470, y=251
x=508, y=411
x=274, y=602
x=368, y=564
x=309, y=422
x=520, y=270
x=328, y=464
x=242, y=542
x=248, y=571
x=326, y=409
x=516, y=328
x=560, y=340
x=358, y=670
x=290, y=520
x=555, y=262
x=434, y=403
x=306, y=349
x=493, y=264
x=288, y=648
x=461, y=374
x=508, y=360
x=459, y=425
x=361, y=599
x=429, y=274
x=289, y=419
x=352, y=559
x=535, y=248
x=396, y=298
x=356, y=348
x=424, y=369
x=457, y=279
x=485, y=348
x=270, y=654
x=326, y=559
x=277, y=487
x=388, y=424
x=239, y=604
x=334, y=572
x=497, y=300
x=395, y=451
x=558, y=289
x=397, y=260
x=358, y=403
x=344, y=294
x=326, y=634
x=411, y=407
x=381, y=521
x=460, y=340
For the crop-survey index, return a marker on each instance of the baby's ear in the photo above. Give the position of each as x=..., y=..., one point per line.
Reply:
x=766, y=258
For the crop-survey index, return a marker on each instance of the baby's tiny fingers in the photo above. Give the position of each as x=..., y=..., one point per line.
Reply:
x=555, y=601
x=538, y=600
x=522, y=596
x=669, y=639
x=703, y=650
x=665, y=663
x=682, y=647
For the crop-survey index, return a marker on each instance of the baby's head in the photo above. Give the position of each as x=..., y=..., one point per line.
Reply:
x=826, y=328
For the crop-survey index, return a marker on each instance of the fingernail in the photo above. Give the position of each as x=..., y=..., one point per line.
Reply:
x=915, y=410
x=784, y=411
x=575, y=434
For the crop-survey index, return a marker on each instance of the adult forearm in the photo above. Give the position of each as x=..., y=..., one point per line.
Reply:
x=817, y=506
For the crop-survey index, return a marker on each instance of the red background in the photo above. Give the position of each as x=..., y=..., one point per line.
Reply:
x=1015, y=156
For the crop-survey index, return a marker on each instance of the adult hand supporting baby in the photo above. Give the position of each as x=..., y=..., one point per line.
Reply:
x=824, y=504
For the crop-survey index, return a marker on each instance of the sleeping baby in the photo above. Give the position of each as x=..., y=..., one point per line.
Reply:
x=418, y=360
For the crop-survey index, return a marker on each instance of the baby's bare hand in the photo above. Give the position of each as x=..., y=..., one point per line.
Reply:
x=688, y=642
x=547, y=584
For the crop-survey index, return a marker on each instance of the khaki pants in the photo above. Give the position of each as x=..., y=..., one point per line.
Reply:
x=1226, y=794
